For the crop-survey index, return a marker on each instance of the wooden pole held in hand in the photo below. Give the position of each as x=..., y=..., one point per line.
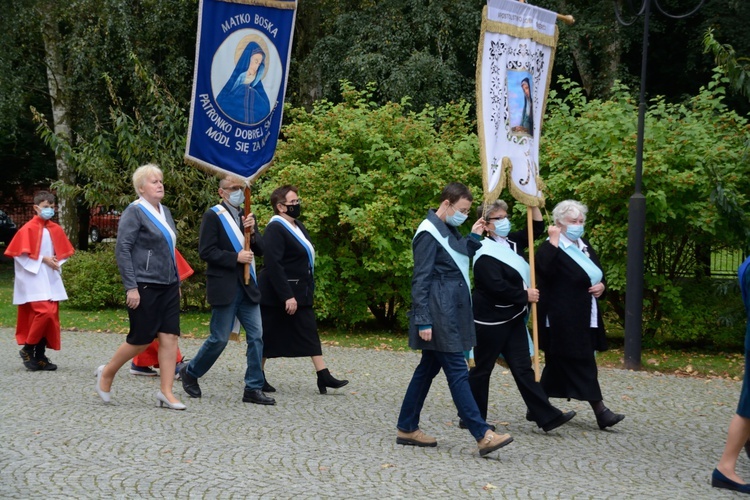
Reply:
x=534, y=324
x=247, y=233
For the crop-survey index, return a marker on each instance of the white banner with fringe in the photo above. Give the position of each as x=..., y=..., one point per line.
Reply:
x=514, y=66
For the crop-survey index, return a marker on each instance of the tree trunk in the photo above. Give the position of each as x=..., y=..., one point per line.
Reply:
x=56, y=83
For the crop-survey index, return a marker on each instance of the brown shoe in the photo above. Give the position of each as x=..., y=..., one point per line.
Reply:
x=416, y=438
x=491, y=442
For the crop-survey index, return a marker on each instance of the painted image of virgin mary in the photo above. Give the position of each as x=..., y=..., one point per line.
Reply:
x=526, y=115
x=243, y=97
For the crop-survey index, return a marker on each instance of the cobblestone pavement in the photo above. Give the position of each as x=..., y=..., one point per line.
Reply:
x=60, y=441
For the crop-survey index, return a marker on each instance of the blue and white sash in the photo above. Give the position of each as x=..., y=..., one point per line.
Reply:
x=461, y=260
x=575, y=253
x=160, y=221
x=300, y=238
x=233, y=232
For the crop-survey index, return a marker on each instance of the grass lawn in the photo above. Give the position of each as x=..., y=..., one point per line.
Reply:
x=195, y=324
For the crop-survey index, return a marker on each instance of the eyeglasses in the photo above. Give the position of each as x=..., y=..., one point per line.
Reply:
x=496, y=218
x=293, y=202
x=465, y=211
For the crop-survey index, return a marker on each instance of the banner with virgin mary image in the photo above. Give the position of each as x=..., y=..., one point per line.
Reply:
x=516, y=52
x=241, y=69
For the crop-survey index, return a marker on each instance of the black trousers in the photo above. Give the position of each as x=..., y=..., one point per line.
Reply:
x=511, y=340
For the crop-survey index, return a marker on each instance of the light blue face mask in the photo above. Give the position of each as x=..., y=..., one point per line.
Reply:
x=47, y=213
x=502, y=227
x=236, y=198
x=456, y=219
x=574, y=231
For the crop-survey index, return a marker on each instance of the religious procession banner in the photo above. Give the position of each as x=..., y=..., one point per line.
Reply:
x=241, y=69
x=515, y=56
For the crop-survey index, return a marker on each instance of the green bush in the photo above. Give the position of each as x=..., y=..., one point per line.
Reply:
x=367, y=175
x=92, y=279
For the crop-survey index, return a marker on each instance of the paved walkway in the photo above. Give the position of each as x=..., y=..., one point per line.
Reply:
x=57, y=439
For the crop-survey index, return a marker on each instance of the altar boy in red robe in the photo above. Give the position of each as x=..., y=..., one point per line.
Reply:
x=39, y=249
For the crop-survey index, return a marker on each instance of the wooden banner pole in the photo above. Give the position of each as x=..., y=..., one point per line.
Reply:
x=247, y=233
x=534, y=324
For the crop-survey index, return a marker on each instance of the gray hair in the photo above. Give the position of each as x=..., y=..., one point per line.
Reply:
x=569, y=207
x=144, y=172
x=493, y=207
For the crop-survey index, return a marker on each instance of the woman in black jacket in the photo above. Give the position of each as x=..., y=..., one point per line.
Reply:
x=571, y=282
x=286, y=285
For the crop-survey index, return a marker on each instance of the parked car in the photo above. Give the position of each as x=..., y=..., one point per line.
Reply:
x=103, y=223
x=8, y=228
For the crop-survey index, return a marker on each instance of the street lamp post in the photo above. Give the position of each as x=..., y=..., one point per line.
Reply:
x=637, y=207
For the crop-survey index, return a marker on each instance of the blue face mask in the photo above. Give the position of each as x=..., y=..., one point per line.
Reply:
x=456, y=219
x=502, y=227
x=47, y=213
x=236, y=198
x=574, y=231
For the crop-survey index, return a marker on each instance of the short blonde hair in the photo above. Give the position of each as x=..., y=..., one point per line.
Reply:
x=569, y=207
x=144, y=172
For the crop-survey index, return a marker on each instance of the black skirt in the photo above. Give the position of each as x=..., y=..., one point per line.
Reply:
x=289, y=336
x=575, y=378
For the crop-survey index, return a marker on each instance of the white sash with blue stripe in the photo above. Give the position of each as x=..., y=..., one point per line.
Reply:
x=160, y=221
x=299, y=236
x=234, y=233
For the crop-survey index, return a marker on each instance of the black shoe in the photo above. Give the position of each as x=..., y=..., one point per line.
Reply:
x=608, y=418
x=28, y=360
x=325, y=379
x=462, y=425
x=189, y=383
x=266, y=386
x=558, y=421
x=256, y=396
x=719, y=480
x=45, y=364
x=528, y=416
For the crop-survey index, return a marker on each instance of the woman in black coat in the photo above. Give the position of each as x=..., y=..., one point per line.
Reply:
x=571, y=282
x=287, y=285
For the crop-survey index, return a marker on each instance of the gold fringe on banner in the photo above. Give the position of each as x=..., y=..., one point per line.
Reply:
x=510, y=29
x=274, y=4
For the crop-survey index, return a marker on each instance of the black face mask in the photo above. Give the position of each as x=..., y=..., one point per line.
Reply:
x=293, y=211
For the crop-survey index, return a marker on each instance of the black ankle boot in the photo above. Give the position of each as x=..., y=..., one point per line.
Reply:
x=41, y=359
x=266, y=386
x=325, y=379
x=608, y=418
x=28, y=356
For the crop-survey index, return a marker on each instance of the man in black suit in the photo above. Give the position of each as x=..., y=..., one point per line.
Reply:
x=220, y=244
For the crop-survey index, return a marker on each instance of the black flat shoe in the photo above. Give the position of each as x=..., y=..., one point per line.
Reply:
x=256, y=396
x=556, y=422
x=719, y=480
x=608, y=418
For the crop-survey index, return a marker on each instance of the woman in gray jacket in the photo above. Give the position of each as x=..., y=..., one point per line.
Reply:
x=145, y=254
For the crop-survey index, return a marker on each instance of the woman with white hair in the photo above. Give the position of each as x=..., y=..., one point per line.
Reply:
x=571, y=283
x=145, y=254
